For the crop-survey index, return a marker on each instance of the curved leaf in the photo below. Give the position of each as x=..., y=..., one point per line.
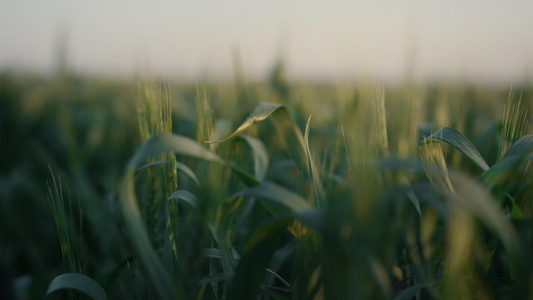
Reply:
x=179, y=166
x=512, y=163
x=186, y=196
x=520, y=147
x=457, y=140
x=291, y=136
x=279, y=258
x=170, y=143
x=261, y=111
x=79, y=282
x=183, y=146
x=185, y=169
x=277, y=194
x=155, y=163
x=210, y=252
x=311, y=168
x=288, y=285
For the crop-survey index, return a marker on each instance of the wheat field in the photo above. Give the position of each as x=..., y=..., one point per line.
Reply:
x=155, y=189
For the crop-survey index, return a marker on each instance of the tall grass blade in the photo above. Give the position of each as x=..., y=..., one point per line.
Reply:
x=346, y=150
x=79, y=282
x=312, y=170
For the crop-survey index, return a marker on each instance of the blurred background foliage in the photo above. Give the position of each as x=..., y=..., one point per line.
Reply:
x=85, y=129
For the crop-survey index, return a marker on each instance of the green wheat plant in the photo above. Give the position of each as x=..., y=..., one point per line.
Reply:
x=73, y=248
x=270, y=199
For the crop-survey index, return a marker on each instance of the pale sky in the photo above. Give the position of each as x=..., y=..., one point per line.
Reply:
x=483, y=40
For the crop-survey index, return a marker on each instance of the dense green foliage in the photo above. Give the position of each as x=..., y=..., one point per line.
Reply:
x=264, y=190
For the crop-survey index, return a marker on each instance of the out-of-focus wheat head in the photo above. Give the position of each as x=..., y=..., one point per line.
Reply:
x=435, y=165
x=154, y=112
x=514, y=123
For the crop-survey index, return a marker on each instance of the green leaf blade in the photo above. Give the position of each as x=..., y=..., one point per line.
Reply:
x=275, y=193
x=79, y=282
x=262, y=111
x=312, y=169
x=185, y=169
x=457, y=140
x=290, y=135
x=185, y=196
x=171, y=143
x=512, y=163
